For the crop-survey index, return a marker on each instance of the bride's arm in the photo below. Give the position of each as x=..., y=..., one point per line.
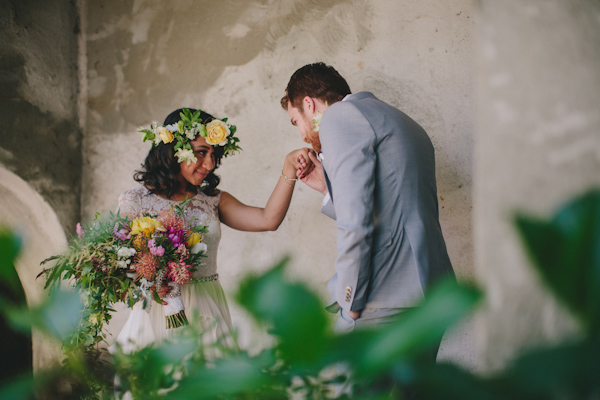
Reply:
x=240, y=216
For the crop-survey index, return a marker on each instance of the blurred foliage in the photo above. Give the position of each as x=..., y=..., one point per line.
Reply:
x=16, y=344
x=565, y=250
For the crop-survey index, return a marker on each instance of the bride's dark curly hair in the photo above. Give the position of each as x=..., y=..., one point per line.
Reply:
x=160, y=169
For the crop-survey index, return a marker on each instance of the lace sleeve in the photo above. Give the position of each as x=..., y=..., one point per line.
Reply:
x=130, y=203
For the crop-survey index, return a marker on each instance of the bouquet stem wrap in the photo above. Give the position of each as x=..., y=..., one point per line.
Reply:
x=174, y=312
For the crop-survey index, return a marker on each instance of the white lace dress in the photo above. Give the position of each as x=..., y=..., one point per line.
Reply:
x=204, y=300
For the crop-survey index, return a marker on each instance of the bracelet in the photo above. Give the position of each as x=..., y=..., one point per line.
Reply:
x=288, y=179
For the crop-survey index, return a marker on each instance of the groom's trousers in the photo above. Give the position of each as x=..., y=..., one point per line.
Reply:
x=375, y=318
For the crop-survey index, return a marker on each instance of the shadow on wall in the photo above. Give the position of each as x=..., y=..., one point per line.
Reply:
x=41, y=139
x=25, y=211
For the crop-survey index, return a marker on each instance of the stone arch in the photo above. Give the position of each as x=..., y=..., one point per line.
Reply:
x=24, y=210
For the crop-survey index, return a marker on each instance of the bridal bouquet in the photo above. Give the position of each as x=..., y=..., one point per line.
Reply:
x=123, y=259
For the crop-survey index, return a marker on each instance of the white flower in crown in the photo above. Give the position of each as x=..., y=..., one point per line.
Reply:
x=193, y=131
x=172, y=127
x=154, y=129
x=185, y=155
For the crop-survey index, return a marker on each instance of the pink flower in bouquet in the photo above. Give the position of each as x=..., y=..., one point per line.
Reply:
x=155, y=250
x=122, y=233
x=179, y=272
x=79, y=230
x=176, y=236
x=183, y=252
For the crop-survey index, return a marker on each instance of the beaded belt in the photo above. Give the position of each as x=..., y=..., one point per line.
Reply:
x=210, y=278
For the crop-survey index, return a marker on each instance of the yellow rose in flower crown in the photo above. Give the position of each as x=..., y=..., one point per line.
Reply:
x=216, y=133
x=194, y=238
x=165, y=135
x=146, y=226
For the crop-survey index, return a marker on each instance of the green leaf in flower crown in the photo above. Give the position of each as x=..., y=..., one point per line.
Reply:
x=295, y=314
x=148, y=134
x=202, y=131
x=566, y=252
x=180, y=126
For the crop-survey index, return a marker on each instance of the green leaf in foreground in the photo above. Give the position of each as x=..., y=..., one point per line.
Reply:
x=565, y=250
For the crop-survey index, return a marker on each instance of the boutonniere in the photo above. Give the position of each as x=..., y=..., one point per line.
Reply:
x=316, y=121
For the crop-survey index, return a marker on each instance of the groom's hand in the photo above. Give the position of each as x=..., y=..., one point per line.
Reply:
x=315, y=179
x=354, y=314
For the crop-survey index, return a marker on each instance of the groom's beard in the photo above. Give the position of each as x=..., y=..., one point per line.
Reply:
x=316, y=145
x=314, y=141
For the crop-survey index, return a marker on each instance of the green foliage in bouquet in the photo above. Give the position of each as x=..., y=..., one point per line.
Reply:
x=91, y=263
x=116, y=259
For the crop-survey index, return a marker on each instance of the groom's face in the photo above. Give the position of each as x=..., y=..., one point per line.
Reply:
x=303, y=122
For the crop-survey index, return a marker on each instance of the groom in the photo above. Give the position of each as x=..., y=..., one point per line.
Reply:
x=378, y=178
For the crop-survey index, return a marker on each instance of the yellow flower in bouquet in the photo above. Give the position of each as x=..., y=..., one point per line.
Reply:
x=146, y=226
x=194, y=238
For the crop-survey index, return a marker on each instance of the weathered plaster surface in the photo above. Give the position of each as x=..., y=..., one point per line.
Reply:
x=30, y=216
x=538, y=146
x=40, y=137
x=234, y=58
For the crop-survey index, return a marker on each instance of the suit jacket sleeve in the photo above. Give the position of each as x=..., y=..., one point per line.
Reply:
x=348, y=143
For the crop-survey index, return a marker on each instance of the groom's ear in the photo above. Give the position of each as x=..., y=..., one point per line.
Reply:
x=308, y=105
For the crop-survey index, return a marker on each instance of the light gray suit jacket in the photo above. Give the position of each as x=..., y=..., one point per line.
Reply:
x=380, y=172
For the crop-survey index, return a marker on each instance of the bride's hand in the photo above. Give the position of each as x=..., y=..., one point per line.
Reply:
x=300, y=160
x=164, y=290
x=315, y=179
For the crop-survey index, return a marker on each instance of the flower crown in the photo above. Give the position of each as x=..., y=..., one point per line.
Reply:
x=216, y=132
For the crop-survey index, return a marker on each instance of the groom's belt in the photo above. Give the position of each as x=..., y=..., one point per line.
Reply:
x=209, y=278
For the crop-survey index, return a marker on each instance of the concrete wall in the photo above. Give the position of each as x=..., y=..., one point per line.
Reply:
x=538, y=145
x=234, y=58
x=41, y=139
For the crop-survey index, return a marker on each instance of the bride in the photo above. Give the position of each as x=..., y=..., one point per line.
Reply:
x=180, y=167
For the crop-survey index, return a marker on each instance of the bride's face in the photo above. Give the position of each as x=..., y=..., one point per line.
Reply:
x=196, y=172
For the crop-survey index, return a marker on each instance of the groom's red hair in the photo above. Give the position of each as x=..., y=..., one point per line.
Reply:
x=318, y=81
